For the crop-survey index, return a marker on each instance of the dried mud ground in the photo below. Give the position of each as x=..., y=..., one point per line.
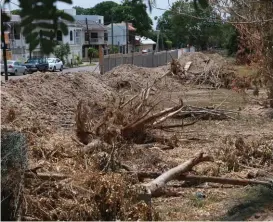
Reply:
x=54, y=99
x=221, y=203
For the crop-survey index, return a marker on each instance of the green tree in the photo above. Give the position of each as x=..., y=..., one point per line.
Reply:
x=80, y=10
x=16, y=12
x=134, y=11
x=114, y=49
x=92, y=53
x=62, y=51
x=105, y=8
x=169, y=44
x=181, y=29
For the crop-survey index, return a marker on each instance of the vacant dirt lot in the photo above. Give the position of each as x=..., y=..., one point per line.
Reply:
x=231, y=127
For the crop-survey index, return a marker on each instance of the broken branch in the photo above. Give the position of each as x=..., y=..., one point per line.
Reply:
x=173, y=173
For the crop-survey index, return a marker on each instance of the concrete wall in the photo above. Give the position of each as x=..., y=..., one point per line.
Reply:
x=139, y=59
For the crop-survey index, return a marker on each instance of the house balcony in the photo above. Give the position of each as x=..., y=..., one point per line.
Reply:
x=96, y=41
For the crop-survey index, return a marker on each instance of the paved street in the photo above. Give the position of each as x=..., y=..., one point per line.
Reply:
x=69, y=70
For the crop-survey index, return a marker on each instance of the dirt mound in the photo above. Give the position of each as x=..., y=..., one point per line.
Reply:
x=133, y=78
x=50, y=97
x=210, y=69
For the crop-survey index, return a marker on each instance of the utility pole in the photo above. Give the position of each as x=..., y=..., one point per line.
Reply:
x=127, y=37
x=157, y=41
x=4, y=46
x=112, y=32
x=86, y=22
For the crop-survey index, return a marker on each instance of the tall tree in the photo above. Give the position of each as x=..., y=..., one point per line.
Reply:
x=105, y=8
x=182, y=26
x=16, y=12
x=134, y=11
x=80, y=10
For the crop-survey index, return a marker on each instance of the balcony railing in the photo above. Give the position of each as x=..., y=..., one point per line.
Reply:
x=94, y=40
x=77, y=40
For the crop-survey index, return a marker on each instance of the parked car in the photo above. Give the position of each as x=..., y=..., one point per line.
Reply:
x=36, y=64
x=14, y=68
x=55, y=64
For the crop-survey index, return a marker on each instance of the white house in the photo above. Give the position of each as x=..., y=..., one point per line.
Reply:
x=96, y=34
x=145, y=43
x=119, y=36
x=77, y=37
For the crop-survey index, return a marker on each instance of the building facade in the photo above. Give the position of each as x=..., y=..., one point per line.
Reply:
x=78, y=38
x=120, y=37
x=94, y=32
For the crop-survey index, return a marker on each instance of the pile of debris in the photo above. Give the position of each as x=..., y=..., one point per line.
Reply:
x=200, y=68
x=132, y=79
x=49, y=98
x=84, y=171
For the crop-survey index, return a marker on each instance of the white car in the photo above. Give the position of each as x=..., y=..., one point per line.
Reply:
x=14, y=68
x=55, y=64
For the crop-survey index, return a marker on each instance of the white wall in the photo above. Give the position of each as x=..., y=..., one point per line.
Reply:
x=94, y=18
x=119, y=33
x=147, y=47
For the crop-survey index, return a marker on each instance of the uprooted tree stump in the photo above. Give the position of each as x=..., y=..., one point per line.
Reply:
x=129, y=120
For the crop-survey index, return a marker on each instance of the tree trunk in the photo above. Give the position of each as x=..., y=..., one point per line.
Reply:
x=175, y=172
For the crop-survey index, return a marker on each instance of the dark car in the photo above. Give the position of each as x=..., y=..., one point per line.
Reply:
x=36, y=64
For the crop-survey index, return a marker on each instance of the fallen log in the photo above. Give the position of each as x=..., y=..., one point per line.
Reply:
x=203, y=179
x=173, y=173
x=242, y=182
x=47, y=176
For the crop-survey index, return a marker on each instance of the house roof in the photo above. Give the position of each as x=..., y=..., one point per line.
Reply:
x=92, y=25
x=131, y=27
x=145, y=41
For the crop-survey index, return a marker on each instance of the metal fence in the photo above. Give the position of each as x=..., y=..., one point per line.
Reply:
x=144, y=60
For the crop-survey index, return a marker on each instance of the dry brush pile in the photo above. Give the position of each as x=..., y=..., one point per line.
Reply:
x=200, y=68
x=89, y=136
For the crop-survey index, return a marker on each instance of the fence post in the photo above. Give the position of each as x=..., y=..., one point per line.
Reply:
x=115, y=56
x=101, y=60
x=109, y=62
x=153, y=54
x=132, y=57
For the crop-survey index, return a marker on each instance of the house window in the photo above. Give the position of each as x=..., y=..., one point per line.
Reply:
x=59, y=36
x=52, y=35
x=105, y=36
x=94, y=35
x=71, y=36
x=41, y=34
x=77, y=38
x=17, y=31
x=86, y=36
x=99, y=21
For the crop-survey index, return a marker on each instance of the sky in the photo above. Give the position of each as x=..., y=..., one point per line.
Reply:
x=87, y=4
